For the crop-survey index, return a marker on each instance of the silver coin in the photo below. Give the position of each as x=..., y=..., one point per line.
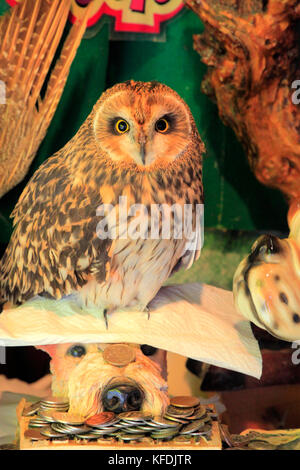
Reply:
x=173, y=418
x=146, y=428
x=134, y=430
x=100, y=432
x=159, y=421
x=192, y=427
x=31, y=409
x=37, y=423
x=164, y=433
x=48, y=432
x=46, y=415
x=130, y=437
x=54, y=400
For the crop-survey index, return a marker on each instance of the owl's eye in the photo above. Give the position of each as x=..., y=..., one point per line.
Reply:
x=122, y=126
x=78, y=350
x=161, y=125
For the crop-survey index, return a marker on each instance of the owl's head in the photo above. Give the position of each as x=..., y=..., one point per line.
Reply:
x=146, y=123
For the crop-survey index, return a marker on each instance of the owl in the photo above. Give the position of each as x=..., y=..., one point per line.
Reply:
x=140, y=145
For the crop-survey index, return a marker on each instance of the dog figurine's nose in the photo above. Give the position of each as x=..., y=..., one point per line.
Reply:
x=123, y=397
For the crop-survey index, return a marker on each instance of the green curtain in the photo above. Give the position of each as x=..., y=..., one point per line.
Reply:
x=233, y=197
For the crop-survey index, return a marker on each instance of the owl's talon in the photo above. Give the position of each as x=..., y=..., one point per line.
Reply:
x=105, y=313
x=147, y=310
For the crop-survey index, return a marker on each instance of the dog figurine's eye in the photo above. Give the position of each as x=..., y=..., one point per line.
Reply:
x=78, y=350
x=122, y=126
x=148, y=350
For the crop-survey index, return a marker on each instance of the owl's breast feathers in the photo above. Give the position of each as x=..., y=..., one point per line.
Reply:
x=54, y=247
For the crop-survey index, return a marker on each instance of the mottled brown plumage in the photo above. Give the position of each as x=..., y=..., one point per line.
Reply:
x=55, y=248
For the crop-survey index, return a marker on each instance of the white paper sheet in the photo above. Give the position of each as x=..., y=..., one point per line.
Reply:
x=195, y=320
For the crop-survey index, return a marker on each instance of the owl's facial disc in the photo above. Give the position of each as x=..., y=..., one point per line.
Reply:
x=145, y=129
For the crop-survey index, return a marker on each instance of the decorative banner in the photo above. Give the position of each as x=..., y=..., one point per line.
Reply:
x=131, y=16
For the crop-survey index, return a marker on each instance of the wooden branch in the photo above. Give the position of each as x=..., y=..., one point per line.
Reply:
x=251, y=48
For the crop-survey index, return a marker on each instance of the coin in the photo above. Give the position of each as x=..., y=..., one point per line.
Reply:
x=119, y=355
x=130, y=437
x=100, y=419
x=135, y=416
x=68, y=418
x=201, y=412
x=67, y=429
x=37, y=424
x=181, y=412
x=47, y=415
x=49, y=432
x=176, y=419
x=159, y=421
x=53, y=400
x=101, y=432
x=192, y=427
x=164, y=433
x=31, y=409
x=33, y=435
x=134, y=430
x=89, y=437
x=184, y=401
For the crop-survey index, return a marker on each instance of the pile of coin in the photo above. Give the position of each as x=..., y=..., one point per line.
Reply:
x=185, y=420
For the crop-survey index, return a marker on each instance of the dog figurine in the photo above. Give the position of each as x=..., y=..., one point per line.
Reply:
x=109, y=377
x=266, y=283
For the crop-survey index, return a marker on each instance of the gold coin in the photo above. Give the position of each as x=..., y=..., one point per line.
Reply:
x=181, y=412
x=135, y=416
x=106, y=417
x=184, y=401
x=67, y=418
x=119, y=355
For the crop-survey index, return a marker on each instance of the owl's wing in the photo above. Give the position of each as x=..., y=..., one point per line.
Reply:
x=54, y=247
x=193, y=246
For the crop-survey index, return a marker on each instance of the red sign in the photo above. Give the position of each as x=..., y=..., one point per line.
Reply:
x=133, y=16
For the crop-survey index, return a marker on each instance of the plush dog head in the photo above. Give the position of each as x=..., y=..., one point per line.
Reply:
x=113, y=377
x=266, y=284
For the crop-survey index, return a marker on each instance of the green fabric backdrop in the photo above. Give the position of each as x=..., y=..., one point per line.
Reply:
x=233, y=197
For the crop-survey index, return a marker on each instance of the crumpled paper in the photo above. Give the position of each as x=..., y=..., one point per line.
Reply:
x=194, y=320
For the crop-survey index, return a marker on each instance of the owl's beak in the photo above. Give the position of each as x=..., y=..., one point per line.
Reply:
x=142, y=143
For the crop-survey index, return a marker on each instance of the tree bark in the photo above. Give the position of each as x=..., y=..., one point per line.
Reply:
x=252, y=51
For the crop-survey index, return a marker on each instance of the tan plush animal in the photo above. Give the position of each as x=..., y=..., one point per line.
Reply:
x=110, y=377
